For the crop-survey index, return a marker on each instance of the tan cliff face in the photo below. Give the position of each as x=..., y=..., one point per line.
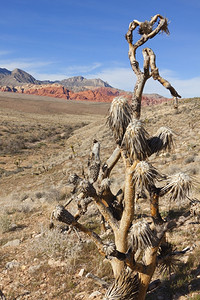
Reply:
x=102, y=94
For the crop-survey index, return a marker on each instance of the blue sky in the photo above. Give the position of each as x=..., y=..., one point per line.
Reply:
x=64, y=38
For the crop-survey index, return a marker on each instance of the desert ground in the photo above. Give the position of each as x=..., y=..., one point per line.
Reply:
x=44, y=140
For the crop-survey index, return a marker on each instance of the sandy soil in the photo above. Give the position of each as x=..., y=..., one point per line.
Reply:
x=47, y=105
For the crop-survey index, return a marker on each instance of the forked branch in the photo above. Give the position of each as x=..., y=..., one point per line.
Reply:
x=147, y=30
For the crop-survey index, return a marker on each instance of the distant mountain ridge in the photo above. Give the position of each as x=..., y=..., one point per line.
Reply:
x=18, y=77
x=74, y=88
x=79, y=83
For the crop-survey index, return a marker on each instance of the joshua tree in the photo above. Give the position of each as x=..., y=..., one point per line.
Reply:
x=137, y=245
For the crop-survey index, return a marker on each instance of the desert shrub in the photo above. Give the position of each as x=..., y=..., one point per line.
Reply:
x=56, y=244
x=189, y=159
x=53, y=195
x=5, y=223
x=12, y=145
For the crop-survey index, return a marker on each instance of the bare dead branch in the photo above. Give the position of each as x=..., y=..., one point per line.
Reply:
x=62, y=215
x=107, y=214
x=100, y=281
x=156, y=76
x=94, y=162
x=110, y=163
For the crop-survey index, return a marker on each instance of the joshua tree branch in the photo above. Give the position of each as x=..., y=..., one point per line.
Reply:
x=156, y=76
x=154, y=205
x=146, y=62
x=147, y=32
x=62, y=215
x=94, y=162
x=89, y=191
x=110, y=163
x=146, y=35
x=107, y=214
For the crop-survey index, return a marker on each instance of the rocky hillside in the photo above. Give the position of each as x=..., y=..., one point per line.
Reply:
x=16, y=77
x=19, y=77
x=4, y=72
x=79, y=83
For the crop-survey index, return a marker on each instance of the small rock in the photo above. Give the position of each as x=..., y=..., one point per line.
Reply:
x=12, y=243
x=56, y=263
x=33, y=269
x=13, y=227
x=94, y=295
x=12, y=264
x=80, y=296
x=39, y=235
x=81, y=272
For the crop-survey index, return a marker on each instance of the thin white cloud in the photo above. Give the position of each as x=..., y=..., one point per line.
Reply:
x=81, y=69
x=124, y=78
x=70, y=71
x=26, y=65
x=46, y=76
x=121, y=78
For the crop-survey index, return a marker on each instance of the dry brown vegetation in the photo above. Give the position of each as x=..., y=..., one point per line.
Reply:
x=42, y=142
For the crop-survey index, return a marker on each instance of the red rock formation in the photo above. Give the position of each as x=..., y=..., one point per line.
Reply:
x=103, y=94
x=48, y=90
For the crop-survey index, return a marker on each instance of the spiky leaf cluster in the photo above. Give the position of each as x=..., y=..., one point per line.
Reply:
x=63, y=215
x=125, y=287
x=144, y=175
x=165, y=28
x=178, y=185
x=74, y=178
x=162, y=140
x=145, y=28
x=166, y=258
x=135, y=141
x=109, y=248
x=93, y=171
x=87, y=188
x=119, y=117
x=142, y=236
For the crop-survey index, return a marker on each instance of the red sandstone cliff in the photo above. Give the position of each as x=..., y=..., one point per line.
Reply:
x=102, y=94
